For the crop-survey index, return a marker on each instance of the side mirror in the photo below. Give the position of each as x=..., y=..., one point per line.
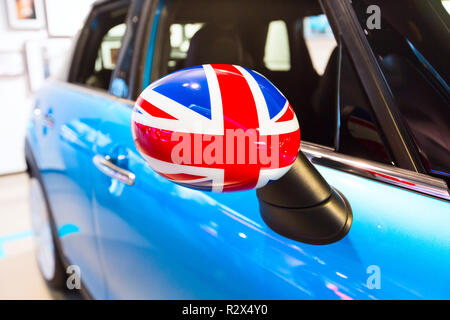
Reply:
x=225, y=128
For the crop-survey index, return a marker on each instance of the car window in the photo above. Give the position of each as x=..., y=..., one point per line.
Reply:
x=109, y=49
x=412, y=48
x=223, y=33
x=359, y=133
x=342, y=112
x=276, y=48
x=122, y=82
x=98, y=49
x=268, y=41
x=293, y=46
x=180, y=37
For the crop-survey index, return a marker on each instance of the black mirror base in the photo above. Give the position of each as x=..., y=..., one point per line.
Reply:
x=324, y=223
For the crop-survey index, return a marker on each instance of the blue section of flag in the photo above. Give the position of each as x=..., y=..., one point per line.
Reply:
x=188, y=87
x=274, y=99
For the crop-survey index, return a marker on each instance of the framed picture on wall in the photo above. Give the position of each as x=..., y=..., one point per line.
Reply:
x=25, y=14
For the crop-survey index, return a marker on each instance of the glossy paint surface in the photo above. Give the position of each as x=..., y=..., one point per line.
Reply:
x=157, y=239
x=162, y=240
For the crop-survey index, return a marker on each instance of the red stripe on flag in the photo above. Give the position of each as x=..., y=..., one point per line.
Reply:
x=239, y=111
x=152, y=110
x=288, y=115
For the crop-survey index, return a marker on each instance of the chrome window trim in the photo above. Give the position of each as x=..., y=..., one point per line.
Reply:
x=391, y=175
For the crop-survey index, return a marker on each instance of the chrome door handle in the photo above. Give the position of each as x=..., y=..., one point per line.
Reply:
x=111, y=170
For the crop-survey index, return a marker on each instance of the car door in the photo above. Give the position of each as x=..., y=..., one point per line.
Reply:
x=163, y=241
x=70, y=113
x=66, y=167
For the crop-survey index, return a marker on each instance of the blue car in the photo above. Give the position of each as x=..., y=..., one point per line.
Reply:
x=375, y=139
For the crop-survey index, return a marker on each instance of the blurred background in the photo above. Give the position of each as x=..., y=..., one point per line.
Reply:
x=35, y=37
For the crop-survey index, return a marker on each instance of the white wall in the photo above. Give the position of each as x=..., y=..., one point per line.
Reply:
x=15, y=91
x=14, y=99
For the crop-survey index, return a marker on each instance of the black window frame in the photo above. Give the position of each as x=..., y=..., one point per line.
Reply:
x=131, y=47
x=339, y=125
x=345, y=25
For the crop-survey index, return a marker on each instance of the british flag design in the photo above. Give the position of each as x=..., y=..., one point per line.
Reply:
x=207, y=103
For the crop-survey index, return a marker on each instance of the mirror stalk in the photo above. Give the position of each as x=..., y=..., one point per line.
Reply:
x=302, y=206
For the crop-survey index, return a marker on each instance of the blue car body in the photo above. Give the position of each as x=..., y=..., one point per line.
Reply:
x=159, y=240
